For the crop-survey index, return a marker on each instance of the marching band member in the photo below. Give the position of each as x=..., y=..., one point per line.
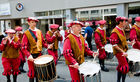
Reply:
x=10, y=55
x=32, y=43
x=53, y=37
x=74, y=50
x=19, y=34
x=135, y=36
x=101, y=40
x=118, y=40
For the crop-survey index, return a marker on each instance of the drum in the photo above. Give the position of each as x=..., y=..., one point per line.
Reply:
x=134, y=59
x=109, y=51
x=90, y=71
x=45, y=68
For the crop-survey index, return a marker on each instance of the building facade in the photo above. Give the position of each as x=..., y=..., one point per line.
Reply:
x=62, y=12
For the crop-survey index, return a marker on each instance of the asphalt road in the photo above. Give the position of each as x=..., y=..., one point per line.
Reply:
x=63, y=72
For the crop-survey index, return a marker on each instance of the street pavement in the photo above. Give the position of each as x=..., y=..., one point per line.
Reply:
x=63, y=72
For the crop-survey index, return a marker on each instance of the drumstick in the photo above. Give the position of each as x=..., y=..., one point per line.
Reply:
x=95, y=55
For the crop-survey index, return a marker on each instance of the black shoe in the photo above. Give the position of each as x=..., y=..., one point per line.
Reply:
x=14, y=78
x=58, y=76
x=31, y=79
x=105, y=69
x=137, y=74
x=8, y=78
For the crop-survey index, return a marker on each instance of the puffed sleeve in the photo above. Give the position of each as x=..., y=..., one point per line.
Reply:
x=133, y=36
x=98, y=40
x=50, y=39
x=2, y=46
x=114, y=40
x=15, y=44
x=25, y=45
x=67, y=52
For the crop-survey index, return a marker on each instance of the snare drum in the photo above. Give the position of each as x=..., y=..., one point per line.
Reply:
x=134, y=59
x=45, y=68
x=90, y=71
x=109, y=51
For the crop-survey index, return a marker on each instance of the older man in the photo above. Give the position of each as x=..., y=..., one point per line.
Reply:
x=74, y=50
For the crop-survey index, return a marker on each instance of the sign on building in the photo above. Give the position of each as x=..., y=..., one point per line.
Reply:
x=5, y=9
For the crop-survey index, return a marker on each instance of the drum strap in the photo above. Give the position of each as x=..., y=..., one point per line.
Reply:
x=33, y=35
x=35, y=55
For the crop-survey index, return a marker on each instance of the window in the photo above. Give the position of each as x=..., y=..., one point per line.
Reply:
x=106, y=11
x=113, y=11
x=94, y=12
x=57, y=12
x=50, y=12
x=84, y=12
x=40, y=13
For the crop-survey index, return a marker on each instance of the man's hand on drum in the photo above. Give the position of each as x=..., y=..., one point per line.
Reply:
x=95, y=54
x=30, y=58
x=124, y=54
x=75, y=66
x=131, y=43
x=50, y=46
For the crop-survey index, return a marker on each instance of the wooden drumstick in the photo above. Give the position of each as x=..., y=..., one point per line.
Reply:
x=95, y=56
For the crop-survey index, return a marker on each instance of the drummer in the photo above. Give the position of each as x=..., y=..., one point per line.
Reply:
x=135, y=36
x=10, y=55
x=118, y=40
x=100, y=40
x=74, y=50
x=32, y=44
x=53, y=37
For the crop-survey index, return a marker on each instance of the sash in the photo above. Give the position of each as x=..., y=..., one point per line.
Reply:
x=33, y=35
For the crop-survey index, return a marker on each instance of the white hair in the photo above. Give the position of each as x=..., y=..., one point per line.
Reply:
x=87, y=24
x=61, y=27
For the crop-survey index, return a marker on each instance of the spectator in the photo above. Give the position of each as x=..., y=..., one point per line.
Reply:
x=127, y=28
x=83, y=31
x=1, y=36
x=88, y=34
x=62, y=32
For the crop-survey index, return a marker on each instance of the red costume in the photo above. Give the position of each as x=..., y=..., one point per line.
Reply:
x=53, y=38
x=10, y=60
x=32, y=47
x=118, y=38
x=21, y=55
x=67, y=32
x=100, y=40
x=69, y=51
x=74, y=50
x=20, y=35
x=135, y=35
